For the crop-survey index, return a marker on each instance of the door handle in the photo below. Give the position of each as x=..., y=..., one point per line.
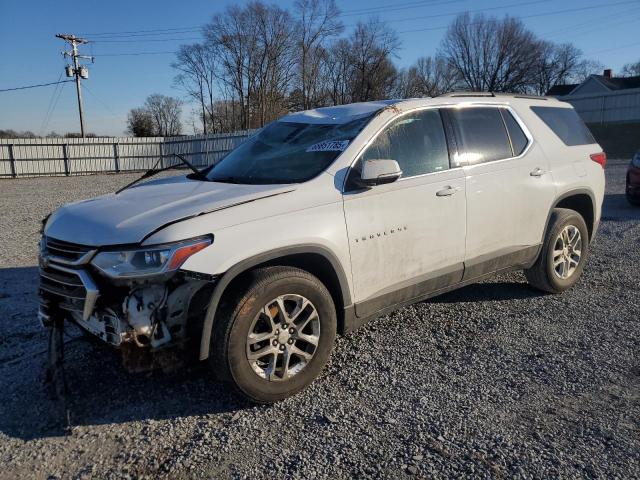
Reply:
x=447, y=191
x=537, y=172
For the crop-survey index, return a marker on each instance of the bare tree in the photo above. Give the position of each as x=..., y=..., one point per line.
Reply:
x=258, y=62
x=140, y=123
x=229, y=34
x=318, y=22
x=9, y=133
x=556, y=65
x=491, y=54
x=255, y=46
x=274, y=69
x=339, y=69
x=372, y=45
x=428, y=77
x=631, y=69
x=165, y=114
x=586, y=69
x=196, y=65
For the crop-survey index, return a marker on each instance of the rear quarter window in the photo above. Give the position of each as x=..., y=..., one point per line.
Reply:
x=566, y=124
x=519, y=140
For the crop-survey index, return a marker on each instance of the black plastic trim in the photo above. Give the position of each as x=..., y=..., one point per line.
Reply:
x=571, y=193
x=264, y=257
x=422, y=289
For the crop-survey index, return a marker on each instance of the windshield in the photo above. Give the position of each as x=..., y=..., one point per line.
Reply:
x=286, y=152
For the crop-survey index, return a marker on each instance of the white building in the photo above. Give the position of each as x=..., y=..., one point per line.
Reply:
x=603, y=99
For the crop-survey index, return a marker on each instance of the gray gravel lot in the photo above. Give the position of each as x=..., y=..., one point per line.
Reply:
x=495, y=380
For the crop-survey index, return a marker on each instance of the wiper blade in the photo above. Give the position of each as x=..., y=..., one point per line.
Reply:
x=225, y=180
x=198, y=173
x=153, y=171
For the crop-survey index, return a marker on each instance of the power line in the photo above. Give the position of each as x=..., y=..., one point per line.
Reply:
x=149, y=34
x=197, y=28
x=53, y=95
x=376, y=10
x=534, y=15
x=142, y=31
x=407, y=4
x=99, y=100
x=149, y=40
x=588, y=25
x=443, y=27
x=45, y=123
x=133, y=54
x=519, y=4
x=614, y=48
x=107, y=37
x=34, y=86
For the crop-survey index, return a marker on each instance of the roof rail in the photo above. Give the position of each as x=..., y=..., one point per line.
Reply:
x=492, y=94
x=532, y=97
x=468, y=94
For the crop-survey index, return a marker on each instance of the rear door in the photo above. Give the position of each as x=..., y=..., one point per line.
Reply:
x=509, y=188
x=407, y=237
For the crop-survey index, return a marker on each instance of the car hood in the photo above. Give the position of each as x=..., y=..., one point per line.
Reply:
x=130, y=216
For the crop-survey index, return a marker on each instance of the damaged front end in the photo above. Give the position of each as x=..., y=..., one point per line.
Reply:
x=136, y=299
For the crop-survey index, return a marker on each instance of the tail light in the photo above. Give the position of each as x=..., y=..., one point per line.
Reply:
x=600, y=158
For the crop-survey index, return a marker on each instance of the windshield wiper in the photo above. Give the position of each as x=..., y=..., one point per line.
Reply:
x=225, y=180
x=197, y=174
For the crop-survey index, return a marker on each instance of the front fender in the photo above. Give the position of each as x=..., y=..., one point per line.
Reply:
x=260, y=259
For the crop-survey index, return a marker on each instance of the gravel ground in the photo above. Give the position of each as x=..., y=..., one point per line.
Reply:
x=494, y=380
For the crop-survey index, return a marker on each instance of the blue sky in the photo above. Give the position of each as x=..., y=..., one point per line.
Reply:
x=31, y=54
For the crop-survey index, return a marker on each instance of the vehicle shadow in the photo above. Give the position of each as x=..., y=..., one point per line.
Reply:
x=101, y=390
x=489, y=292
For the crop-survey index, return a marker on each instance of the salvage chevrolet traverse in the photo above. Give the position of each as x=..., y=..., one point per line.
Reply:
x=322, y=220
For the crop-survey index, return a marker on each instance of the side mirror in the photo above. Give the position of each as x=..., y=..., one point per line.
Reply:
x=379, y=172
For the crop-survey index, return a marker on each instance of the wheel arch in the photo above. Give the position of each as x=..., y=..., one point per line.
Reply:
x=580, y=200
x=316, y=259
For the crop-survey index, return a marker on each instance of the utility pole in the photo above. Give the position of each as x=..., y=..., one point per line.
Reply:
x=79, y=71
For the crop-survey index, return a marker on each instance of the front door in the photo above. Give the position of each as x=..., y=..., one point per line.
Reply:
x=408, y=237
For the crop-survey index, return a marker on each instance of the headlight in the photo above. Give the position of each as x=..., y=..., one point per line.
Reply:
x=146, y=261
x=636, y=160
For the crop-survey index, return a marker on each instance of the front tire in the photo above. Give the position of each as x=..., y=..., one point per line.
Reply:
x=274, y=336
x=563, y=255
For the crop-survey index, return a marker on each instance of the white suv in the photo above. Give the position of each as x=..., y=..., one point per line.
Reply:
x=321, y=221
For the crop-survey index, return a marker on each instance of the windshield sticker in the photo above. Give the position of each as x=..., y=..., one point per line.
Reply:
x=329, y=146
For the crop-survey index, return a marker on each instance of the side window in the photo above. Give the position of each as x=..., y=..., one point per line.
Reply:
x=566, y=124
x=481, y=133
x=416, y=141
x=518, y=139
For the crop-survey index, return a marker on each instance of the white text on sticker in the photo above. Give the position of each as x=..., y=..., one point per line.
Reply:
x=329, y=146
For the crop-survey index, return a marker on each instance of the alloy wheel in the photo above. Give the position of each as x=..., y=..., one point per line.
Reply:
x=283, y=337
x=567, y=251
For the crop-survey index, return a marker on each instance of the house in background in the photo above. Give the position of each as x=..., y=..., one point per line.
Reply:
x=610, y=106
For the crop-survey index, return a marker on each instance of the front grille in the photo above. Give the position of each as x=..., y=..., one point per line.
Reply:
x=70, y=252
x=68, y=288
x=62, y=283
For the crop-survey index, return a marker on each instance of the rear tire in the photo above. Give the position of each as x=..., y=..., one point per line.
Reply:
x=635, y=201
x=563, y=255
x=273, y=337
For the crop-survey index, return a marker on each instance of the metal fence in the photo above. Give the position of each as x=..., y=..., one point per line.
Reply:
x=30, y=157
x=609, y=107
